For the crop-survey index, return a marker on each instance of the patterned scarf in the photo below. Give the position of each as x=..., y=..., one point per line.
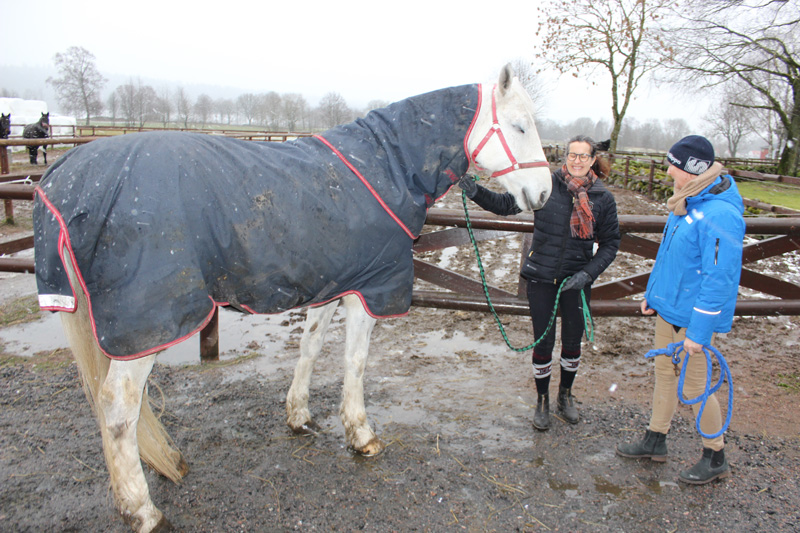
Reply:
x=581, y=222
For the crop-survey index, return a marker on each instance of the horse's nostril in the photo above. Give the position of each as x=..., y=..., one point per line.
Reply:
x=543, y=198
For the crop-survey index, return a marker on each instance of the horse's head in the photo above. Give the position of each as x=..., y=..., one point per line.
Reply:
x=5, y=125
x=504, y=143
x=45, y=120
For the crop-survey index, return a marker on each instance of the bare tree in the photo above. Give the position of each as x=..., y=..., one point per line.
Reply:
x=728, y=121
x=333, y=110
x=164, y=105
x=675, y=129
x=203, y=108
x=79, y=83
x=375, y=104
x=248, y=105
x=757, y=43
x=126, y=96
x=271, y=110
x=224, y=108
x=617, y=36
x=146, y=102
x=183, y=106
x=112, y=105
x=295, y=109
x=536, y=87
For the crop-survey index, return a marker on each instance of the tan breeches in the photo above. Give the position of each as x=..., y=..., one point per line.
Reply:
x=665, y=398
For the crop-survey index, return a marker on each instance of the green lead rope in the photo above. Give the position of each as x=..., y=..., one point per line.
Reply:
x=587, y=316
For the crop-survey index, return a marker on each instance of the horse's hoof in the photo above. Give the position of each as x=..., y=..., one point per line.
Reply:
x=309, y=428
x=374, y=447
x=183, y=467
x=162, y=526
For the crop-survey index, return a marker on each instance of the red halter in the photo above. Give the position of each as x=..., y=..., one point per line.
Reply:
x=495, y=129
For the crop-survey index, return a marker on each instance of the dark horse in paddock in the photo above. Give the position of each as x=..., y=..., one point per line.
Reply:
x=603, y=146
x=5, y=125
x=38, y=130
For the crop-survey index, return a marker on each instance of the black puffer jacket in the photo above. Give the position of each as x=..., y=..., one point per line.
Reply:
x=555, y=254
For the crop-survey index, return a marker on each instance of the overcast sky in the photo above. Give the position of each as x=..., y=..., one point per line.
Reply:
x=364, y=50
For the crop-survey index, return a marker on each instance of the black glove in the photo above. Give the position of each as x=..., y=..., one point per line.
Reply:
x=578, y=281
x=468, y=185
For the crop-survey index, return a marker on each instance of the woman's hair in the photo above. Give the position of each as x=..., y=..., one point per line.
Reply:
x=601, y=167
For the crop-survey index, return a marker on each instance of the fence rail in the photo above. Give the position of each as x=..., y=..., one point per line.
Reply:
x=779, y=235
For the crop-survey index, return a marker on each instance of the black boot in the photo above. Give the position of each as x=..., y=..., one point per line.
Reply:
x=653, y=446
x=710, y=467
x=541, y=420
x=566, y=405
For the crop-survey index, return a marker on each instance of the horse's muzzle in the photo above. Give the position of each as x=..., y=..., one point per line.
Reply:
x=535, y=200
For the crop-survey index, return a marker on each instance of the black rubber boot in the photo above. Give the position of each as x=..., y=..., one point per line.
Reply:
x=652, y=446
x=710, y=467
x=541, y=420
x=566, y=405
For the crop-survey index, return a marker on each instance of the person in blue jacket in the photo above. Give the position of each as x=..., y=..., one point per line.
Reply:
x=576, y=236
x=693, y=289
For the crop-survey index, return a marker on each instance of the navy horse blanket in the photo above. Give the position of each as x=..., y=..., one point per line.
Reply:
x=165, y=226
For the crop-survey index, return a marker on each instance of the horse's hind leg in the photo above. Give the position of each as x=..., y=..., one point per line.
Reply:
x=120, y=401
x=353, y=414
x=298, y=415
x=115, y=389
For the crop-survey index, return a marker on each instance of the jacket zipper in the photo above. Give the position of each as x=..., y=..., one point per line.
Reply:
x=716, y=251
x=564, y=242
x=672, y=235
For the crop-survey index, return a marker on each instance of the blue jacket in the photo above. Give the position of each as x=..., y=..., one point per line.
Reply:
x=695, y=279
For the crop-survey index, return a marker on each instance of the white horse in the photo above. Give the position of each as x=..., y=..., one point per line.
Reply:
x=499, y=139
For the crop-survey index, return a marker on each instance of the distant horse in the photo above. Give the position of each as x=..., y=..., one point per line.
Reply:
x=140, y=237
x=5, y=125
x=38, y=130
x=603, y=146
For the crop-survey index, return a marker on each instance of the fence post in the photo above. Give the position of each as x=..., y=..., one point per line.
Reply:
x=209, y=339
x=652, y=175
x=5, y=168
x=627, y=170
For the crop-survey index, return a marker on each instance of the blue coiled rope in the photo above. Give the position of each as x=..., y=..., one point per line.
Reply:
x=673, y=350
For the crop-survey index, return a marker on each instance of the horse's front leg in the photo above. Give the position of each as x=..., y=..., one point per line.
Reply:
x=120, y=401
x=298, y=415
x=353, y=414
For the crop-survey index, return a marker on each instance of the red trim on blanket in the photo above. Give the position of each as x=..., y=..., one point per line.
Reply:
x=64, y=242
x=363, y=304
x=367, y=185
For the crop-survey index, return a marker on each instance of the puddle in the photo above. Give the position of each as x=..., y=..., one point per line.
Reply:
x=240, y=334
x=603, y=486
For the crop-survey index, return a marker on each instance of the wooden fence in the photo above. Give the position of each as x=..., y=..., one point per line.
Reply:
x=775, y=236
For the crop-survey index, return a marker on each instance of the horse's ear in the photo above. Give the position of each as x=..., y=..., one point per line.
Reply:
x=506, y=77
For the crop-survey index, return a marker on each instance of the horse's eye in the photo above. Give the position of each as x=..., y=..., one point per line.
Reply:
x=519, y=128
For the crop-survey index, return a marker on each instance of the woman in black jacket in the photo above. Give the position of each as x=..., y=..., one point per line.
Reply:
x=576, y=235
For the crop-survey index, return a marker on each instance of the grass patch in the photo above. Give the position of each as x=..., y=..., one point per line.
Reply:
x=53, y=360
x=19, y=311
x=771, y=193
x=789, y=381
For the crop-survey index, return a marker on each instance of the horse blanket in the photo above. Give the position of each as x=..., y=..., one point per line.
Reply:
x=165, y=226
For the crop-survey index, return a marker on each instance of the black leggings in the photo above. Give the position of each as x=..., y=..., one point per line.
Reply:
x=542, y=298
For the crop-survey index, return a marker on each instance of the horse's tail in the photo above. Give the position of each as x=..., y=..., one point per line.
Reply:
x=156, y=448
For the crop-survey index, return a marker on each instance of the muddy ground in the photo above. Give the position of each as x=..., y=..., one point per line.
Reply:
x=454, y=406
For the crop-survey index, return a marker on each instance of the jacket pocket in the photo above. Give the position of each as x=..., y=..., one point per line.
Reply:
x=528, y=270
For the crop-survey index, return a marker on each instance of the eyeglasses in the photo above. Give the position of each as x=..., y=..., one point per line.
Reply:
x=572, y=156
